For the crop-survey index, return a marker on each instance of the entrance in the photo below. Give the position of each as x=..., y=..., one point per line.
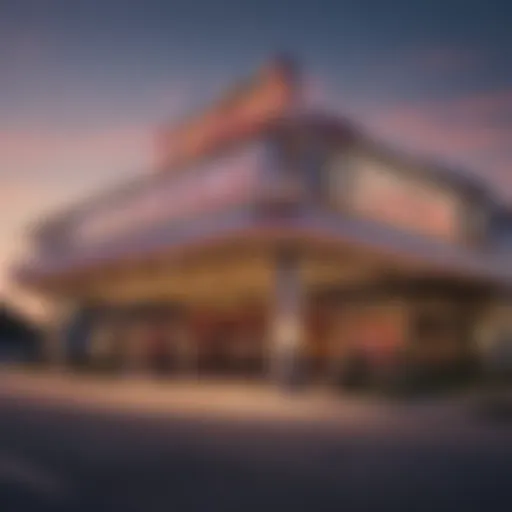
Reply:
x=230, y=343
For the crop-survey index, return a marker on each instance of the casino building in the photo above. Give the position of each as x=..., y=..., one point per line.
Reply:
x=275, y=240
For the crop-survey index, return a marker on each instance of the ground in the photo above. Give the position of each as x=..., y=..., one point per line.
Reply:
x=75, y=444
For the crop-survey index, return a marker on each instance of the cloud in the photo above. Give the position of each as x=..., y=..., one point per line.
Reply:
x=489, y=109
x=444, y=59
x=439, y=131
x=479, y=107
x=53, y=155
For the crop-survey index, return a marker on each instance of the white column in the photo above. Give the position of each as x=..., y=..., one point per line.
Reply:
x=54, y=346
x=56, y=335
x=287, y=320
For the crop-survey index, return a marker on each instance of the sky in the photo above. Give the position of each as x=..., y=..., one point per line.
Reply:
x=84, y=83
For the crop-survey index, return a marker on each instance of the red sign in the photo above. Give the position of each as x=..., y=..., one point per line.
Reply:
x=238, y=115
x=405, y=202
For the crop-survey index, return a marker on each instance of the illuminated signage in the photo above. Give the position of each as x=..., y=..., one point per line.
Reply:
x=382, y=193
x=239, y=114
x=223, y=183
x=375, y=328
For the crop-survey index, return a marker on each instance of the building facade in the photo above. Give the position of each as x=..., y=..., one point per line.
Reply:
x=275, y=240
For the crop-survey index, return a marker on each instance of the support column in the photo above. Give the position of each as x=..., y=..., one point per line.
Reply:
x=495, y=340
x=55, y=349
x=287, y=321
x=54, y=352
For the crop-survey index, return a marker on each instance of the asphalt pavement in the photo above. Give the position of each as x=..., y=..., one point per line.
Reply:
x=65, y=457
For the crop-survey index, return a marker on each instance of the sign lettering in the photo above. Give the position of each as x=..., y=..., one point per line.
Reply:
x=383, y=194
x=238, y=115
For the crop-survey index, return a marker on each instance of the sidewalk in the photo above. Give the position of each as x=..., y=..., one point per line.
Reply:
x=226, y=399
x=176, y=396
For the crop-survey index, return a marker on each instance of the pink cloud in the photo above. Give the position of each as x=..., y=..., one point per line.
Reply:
x=43, y=155
x=460, y=131
x=112, y=148
x=484, y=104
x=424, y=129
x=478, y=106
x=444, y=59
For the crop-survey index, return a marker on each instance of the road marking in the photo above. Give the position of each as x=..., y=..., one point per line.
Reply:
x=16, y=469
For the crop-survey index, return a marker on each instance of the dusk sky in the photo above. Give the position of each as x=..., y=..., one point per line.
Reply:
x=83, y=83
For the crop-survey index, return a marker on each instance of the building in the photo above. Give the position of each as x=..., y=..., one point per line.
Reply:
x=272, y=238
